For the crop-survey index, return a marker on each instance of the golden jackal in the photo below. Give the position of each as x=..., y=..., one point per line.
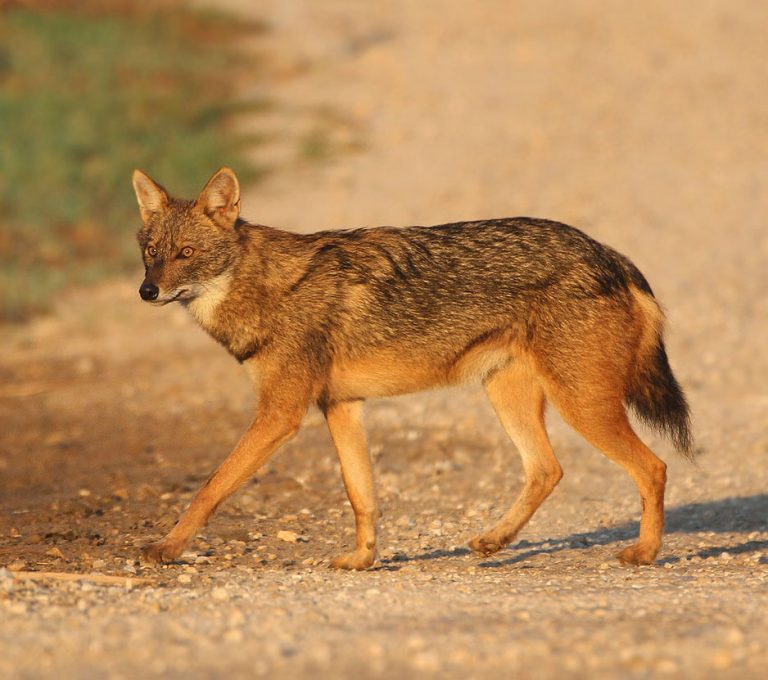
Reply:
x=535, y=310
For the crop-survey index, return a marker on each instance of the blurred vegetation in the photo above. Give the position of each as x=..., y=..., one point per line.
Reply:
x=88, y=91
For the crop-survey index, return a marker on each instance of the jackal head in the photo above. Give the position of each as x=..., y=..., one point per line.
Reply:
x=186, y=244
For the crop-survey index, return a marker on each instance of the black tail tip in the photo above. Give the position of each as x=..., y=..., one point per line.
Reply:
x=658, y=399
x=682, y=437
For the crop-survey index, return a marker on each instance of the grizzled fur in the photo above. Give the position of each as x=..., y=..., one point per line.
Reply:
x=529, y=307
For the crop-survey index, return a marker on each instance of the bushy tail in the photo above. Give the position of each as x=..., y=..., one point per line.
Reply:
x=657, y=398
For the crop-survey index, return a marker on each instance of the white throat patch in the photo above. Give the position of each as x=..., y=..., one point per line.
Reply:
x=211, y=294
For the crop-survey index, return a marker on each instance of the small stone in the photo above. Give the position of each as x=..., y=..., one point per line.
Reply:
x=722, y=660
x=219, y=594
x=184, y=578
x=99, y=564
x=234, y=635
x=84, y=493
x=288, y=536
x=17, y=565
x=427, y=662
x=17, y=608
x=84, y=365
x=667, y=667
x=55, y=552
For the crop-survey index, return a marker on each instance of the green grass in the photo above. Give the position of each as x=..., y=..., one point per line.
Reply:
x=86, y=96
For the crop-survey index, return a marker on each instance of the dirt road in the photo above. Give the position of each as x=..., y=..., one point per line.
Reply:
x=646, y=126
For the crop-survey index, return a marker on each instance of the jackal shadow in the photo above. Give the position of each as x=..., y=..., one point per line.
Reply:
x=736, y=514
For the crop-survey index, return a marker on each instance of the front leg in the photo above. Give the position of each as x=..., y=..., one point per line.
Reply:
x=345, y=421
x=272, y=427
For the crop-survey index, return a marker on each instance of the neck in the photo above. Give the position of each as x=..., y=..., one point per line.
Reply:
x=232, y=306
x=204, y=307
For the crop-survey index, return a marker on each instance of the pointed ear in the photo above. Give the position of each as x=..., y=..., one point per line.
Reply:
x=151, y=196
x=220, y=199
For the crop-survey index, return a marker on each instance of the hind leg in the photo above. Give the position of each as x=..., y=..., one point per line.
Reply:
x=518, y=400
x=604, y=423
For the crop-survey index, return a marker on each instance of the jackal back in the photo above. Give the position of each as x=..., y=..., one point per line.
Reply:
x=383, y=311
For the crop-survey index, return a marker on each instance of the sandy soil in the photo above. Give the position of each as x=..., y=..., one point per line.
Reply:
x=644, y=125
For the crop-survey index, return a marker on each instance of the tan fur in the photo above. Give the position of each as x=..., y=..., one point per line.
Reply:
x=345, y=421
x=650, y=319
x=534, y=310
x=387, y=374
x=517, y=395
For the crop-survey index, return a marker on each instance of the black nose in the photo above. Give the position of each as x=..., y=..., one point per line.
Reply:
x=149, y=291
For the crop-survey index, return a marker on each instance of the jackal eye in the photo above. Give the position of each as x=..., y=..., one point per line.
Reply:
x=151, y=251
x=187, y=251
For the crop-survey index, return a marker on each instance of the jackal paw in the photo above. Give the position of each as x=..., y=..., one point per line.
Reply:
x=357, y=560
x=485, y=545
x=159, y=552
x=638, y=554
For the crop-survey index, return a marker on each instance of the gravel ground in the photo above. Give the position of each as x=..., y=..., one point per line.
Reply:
x=645, y=125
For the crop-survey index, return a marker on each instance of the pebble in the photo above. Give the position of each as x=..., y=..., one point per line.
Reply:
x=722, y=660
x=234, y=635
x=219, y=594
x=17, y=608
x=426, y=662
x=236, y=618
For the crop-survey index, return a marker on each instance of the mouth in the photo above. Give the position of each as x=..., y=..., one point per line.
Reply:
x=166, y=301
